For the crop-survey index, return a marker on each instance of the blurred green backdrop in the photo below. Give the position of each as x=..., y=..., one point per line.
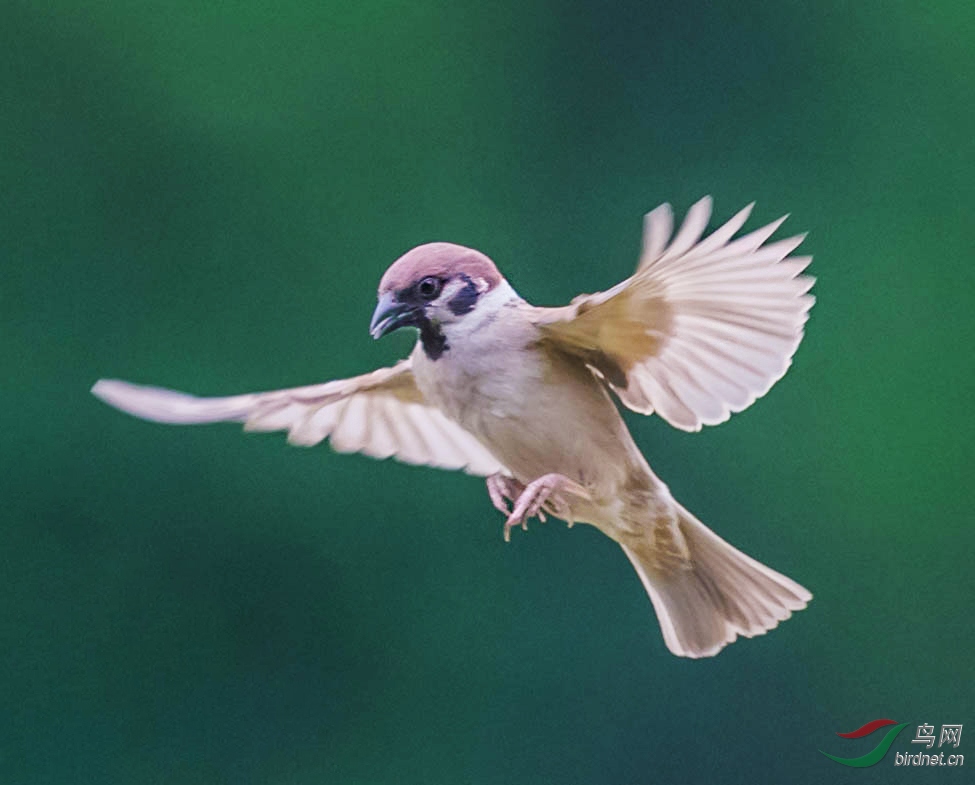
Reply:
x=205, y=195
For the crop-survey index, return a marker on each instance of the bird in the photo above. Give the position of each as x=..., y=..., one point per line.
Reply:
x=529, y=398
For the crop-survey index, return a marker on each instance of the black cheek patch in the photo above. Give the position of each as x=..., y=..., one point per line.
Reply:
x=465, y=300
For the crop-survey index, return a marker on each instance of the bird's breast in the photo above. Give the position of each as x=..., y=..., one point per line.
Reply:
x=536, y=411
x=479, y=385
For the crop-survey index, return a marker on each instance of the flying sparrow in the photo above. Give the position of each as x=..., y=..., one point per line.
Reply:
x=523, y=395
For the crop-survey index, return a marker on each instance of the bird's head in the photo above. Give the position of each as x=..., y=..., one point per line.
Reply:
x=432, y=286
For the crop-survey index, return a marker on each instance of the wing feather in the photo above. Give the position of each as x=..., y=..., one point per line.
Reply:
x=380, y=414
x=703, y=328
x=691, y=230
x=658, y=225
x=719, y=237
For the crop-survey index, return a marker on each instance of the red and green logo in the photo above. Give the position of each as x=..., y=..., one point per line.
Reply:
x=877, y=753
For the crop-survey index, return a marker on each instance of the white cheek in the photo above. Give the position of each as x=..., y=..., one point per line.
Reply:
x=487, y=309
x=449, y=292
x=439, y=309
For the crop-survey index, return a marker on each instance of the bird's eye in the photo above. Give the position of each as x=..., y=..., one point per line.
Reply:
x=429, y=287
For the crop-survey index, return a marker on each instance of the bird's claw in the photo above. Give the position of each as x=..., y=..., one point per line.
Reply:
x=503, y=489
x=546, y=491
x=510, y=524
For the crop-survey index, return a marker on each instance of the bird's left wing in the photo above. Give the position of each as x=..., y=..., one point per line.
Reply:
x=380, y=414
x=702, y=328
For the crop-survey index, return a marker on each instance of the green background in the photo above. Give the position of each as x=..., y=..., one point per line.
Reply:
x=204, y=196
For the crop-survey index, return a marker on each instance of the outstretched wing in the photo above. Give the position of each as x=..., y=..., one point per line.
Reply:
x=702, y=328
x=381, y=414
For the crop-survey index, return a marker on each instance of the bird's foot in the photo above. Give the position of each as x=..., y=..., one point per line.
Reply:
x=503, y=489
x=549, y=493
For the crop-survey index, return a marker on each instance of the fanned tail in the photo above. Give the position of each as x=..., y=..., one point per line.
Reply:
x=718, y=594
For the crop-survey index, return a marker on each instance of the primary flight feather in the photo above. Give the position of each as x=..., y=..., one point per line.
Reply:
x=522, y=395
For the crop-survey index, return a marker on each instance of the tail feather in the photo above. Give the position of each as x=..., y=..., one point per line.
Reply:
x=719, y=594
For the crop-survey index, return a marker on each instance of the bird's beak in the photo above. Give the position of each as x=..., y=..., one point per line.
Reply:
x=390, y=315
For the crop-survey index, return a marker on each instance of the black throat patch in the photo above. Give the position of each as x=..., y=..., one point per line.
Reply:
x=432, y=339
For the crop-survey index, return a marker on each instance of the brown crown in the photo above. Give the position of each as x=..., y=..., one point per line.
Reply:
x=443, y=260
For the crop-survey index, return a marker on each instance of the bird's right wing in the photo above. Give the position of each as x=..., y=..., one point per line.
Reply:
x=380, y=414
